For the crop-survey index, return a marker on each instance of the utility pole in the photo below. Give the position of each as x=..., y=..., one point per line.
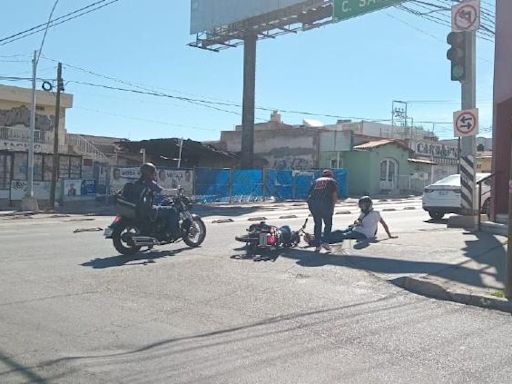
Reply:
x=55, y=166
x=181, y=151
x=249, y=100
x=29, y=203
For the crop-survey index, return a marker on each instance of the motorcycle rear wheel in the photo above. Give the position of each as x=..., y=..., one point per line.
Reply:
x=121, y=244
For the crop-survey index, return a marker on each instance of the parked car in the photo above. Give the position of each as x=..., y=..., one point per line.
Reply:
x=443, y=196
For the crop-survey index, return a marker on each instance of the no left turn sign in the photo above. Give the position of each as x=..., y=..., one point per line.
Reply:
x=465, y=123
x=466, y=16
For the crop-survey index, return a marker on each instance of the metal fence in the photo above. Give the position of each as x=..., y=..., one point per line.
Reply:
x=236, y=185
x=208, y=185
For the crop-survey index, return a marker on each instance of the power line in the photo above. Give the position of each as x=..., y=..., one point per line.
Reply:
x=16, y=78
x=58, y=21
x=145, y=120
x=213, y=104
x=433, y=12
x=202, y=99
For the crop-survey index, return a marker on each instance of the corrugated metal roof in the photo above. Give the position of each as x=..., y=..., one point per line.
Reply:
x=421, y=161
x=379, y=143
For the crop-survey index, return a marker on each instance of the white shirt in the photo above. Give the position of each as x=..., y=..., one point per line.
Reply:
x=369, y=223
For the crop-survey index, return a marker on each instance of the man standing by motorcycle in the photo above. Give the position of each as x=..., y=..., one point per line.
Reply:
x=148, y=177
x=322, y=198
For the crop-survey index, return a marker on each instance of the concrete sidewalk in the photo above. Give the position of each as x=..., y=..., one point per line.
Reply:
x=446, y=264
x=218, y=210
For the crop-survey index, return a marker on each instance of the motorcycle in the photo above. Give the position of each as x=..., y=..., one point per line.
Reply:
x=130, y=234
x=262, y=236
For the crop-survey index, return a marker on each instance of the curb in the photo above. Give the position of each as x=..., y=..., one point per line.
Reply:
x=261, y=218
x=220, y=221
x=436, y=291
x=20, y=214
x=95, y=229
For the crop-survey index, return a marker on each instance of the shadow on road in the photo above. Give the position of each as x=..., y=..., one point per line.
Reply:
x=486, y=250
x=22, y=371
x=228, y=211
x=433, y=221
x=230, y=335
x=490, y=253
x=141, y=258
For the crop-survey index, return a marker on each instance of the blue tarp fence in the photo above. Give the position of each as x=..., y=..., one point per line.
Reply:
x=245, y=185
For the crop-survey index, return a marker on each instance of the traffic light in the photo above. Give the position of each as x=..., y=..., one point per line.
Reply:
x=457, y=55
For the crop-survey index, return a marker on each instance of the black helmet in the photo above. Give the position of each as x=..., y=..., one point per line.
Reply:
x=148, y=170
x=365, y=203
x=327, y=173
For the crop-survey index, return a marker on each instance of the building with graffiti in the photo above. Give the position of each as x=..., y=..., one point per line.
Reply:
x=278, y=145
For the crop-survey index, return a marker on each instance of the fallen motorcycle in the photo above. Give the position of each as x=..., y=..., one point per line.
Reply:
x=130, y=233
x=262, y=236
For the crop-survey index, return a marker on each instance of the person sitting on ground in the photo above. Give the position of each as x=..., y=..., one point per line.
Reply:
x=364, y=228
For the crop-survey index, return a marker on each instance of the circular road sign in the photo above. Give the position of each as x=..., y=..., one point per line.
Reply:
x=466, y=123
x=466, y=17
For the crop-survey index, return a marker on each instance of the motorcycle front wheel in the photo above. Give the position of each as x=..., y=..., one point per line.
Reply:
x=195, y=234
x=121, y=237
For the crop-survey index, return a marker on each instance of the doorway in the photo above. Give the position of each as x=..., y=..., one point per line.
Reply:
x=389, y=175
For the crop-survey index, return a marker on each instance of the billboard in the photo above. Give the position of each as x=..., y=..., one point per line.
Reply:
x=167, y=178
x=206, y=15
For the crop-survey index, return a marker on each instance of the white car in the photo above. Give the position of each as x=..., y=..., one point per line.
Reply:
x=443, y=196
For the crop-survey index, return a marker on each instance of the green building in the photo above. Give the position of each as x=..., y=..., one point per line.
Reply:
x=380, y=167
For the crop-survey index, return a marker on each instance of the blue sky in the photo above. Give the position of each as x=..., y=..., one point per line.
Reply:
x=354, y=68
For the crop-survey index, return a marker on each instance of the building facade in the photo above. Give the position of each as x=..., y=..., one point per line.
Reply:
x=15, y=106
x=278, y=145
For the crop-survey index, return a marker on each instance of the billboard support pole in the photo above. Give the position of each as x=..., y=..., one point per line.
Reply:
x=249, y=101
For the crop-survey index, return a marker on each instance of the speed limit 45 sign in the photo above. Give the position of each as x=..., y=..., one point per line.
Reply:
x=465, y=123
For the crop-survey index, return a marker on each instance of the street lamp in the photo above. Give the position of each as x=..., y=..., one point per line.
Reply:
x=29, y=202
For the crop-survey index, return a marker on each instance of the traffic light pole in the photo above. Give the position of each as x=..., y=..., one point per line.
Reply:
x=468, y=143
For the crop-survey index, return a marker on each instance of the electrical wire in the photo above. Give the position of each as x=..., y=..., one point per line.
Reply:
x=213, y=104
x=434, y=12
x=58, y=21
x=145, y=120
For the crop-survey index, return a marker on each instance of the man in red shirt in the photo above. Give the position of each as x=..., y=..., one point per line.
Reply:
x=322, y=197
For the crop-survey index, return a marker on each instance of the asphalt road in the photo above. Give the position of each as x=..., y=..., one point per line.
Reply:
x=73, y=311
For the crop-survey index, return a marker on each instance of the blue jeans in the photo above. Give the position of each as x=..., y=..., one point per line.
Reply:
x=322, y=214
x=340, y=235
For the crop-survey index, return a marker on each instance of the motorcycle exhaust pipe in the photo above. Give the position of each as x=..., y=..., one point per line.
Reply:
x=144, y=241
